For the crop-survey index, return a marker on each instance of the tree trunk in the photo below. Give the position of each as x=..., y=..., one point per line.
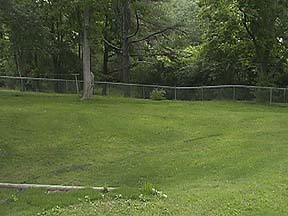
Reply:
x=80, y=39
x=126, y=20
x=105, y=55
x=57, y=72
x=18, y=67
x=87, y=75
x=38, y=86
x=105, y=66
x=263, y=75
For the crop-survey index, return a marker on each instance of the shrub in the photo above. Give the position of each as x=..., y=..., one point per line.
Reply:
x=158, y=94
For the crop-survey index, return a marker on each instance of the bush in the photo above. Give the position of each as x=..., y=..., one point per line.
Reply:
x=158, y=94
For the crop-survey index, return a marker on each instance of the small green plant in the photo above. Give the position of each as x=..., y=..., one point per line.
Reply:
x=118, y=196
x=159, y=194
x=87, y=199
x=158, y=94
x=105, y=189
x=55, y=211
x=147, y=189
x=14, y=198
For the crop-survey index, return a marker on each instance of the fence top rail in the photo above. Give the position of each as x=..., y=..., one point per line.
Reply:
x=145, y=85
x=230, y=86
x=35, y=78
x=134, y=84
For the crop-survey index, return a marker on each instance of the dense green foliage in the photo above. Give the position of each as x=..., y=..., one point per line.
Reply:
x=210, y=158
x=174, y=42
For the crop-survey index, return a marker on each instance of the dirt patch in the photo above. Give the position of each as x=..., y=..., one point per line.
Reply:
x=202, y=138
x=71, y=169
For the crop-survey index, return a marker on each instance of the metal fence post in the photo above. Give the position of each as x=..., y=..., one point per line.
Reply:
x=143, y=92
x=130, y=91
x=202, y=93
x=271, y=95
x=22, y=88
x=77, y=84
x=284, y=95
x=108, y=89
x=66, y=84
x=175, y=93
x=234, y=93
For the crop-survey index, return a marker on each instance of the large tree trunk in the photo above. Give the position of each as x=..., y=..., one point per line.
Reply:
x=79, y=20
x=18, y=62
x=105, y=66
x=55, y=35
x=105, y=56
x=87, y=75
x=18, y=66
x=126, y=20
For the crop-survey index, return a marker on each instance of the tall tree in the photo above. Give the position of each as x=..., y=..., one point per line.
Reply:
x=88, y=77
x=126, y=22
x=260, y=22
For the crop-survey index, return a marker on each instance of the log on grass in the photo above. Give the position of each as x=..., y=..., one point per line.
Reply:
x=53, y=187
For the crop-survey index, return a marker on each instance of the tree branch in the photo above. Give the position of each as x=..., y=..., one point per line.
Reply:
x=111, y=55
x=247, y=28
x=111, y=45
x=137, y=28
x=153, y=34
x=141, y=62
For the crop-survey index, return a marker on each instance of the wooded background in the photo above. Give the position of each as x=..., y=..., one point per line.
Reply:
x=172, y=42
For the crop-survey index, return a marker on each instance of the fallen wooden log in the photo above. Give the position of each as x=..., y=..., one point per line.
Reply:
x=53, y=187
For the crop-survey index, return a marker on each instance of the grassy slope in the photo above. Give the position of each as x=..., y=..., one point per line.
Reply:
x=212, y=158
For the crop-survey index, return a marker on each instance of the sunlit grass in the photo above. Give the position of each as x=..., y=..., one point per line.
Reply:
x=210, y=158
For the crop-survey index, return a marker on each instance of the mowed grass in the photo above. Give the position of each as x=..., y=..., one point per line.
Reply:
x=210, y=158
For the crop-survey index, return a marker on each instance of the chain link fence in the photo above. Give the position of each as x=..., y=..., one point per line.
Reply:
x=205, y=93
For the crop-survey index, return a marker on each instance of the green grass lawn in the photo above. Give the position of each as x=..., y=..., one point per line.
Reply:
x=210, y=158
